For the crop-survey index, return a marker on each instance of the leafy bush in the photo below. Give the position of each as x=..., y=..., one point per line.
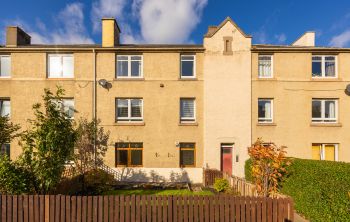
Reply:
x=320, y=189
x=248, y=170
x=221, y=185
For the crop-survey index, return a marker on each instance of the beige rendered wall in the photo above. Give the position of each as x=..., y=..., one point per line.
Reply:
x=161, y=129
x=227, y=97
x=292, y=89
x=28, y=80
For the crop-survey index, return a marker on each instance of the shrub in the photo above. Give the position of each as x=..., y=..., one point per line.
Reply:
x=221, y=185
x=320, y=189
x=248, y=170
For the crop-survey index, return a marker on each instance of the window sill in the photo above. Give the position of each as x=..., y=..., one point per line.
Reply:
x=267, y=78
x=129, y=79
x=326, y=125
x=130, y=124
x=266, y=124
x=188, y=124
x=188, y=79
x=68, y=78
x=5, y=77
x=326, y=79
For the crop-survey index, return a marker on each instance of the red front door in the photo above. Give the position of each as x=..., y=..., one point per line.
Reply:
x=226, y=159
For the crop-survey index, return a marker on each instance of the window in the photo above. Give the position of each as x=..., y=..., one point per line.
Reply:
x=61, y=66
x=187, y=154
x=5, y=107
x=128, y=154
x=324, y=66
x=187, y=110
x=265, y=66
x=188, y=67
x=265, y=110
x=129, y=66
x=129, y=109
x=324, y=110
x=5, y=66
x=67, y=106
x=5, y=149
x=325, y=151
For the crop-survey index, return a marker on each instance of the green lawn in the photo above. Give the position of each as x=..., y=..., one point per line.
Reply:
x=157, y=192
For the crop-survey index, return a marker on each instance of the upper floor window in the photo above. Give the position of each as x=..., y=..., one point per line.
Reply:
x=265, y=66
x=60, y=66
x=129, y=66
x=187, y=110
x=324, y=66
x=188, y=66
x=265, y=110
x=5, y=66
x=324, y=110
x=129, y=110
x=5, y=107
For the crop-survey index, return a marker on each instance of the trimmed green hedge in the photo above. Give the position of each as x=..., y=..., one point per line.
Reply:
x=320, y=189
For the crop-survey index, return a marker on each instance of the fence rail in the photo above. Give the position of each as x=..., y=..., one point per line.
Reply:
x=59, y=208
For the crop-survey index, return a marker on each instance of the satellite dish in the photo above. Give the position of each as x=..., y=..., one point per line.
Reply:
x=102, y=82
x=347, y=90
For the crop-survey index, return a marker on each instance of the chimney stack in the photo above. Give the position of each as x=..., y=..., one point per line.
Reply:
x=15, y=36
x=110, y=32
x=307, y=39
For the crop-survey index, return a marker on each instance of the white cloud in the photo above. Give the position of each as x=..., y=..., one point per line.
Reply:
x=69, y=29
x=168, y=21
x=341, y=40
x=281, y=38
x=106, y=8
x=260, y=37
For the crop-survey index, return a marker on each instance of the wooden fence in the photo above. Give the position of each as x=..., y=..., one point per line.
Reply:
x=210, y=175
x=58, y=208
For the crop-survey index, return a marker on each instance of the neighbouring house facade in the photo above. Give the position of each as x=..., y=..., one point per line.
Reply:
x=173, y=110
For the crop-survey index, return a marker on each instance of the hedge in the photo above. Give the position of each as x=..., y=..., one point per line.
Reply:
x=320, y=189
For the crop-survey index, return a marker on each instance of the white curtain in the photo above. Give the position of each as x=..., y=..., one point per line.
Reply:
x=268, y=110
x=265, y=66
x=5, y=108
x=332, y=110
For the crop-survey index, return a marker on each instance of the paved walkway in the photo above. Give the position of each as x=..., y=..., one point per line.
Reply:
x=298, y=218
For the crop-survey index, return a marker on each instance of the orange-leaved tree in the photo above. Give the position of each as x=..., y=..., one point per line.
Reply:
x=268, y=166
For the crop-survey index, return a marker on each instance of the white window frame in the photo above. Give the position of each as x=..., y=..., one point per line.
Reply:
x=194, y=66
x=61, y=56
x=189, y=119
x=129, y=67
x=324, y=120
x=5, y=77
x=129, y=118
x=264, y=119
x=323, y=67
x=323, y=150
x=265, y=77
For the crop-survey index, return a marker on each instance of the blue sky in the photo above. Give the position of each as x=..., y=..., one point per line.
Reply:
x=178, y=21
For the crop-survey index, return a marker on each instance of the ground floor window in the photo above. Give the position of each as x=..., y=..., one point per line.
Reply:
x=128, y=154
x=323, y=151
x=187, y=154
x=5, y=150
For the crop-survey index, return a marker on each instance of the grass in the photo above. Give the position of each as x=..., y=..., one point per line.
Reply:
x=157, y=192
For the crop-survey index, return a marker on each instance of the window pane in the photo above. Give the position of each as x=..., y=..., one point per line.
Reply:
x=316, y=69
x=122, y=68
x=187, y=68
x=68, y=66
x=329, y=109
x=264, y=109
x=68, y=107
x=329, y=152
x=265, y=66
x=316, y=151
x=136, y=108
x=136, y=157
x=187, y=145
x=5, y=108
x=122, y=157
x=122, y=110
x=5, y=150
x=55, y=66
x=136, y=145
x=316, y=109
x=122, y=145
x=5, y=65
x=186, y=157
x=330, y=66
x=187, y=109
x=135, y=68
x=122, y=58
x=133, y=58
